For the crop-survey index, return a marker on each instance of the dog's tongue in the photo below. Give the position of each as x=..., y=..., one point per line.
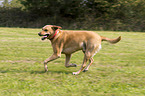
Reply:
x=44, y=36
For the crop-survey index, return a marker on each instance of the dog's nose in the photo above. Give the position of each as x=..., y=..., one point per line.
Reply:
x=39, y=34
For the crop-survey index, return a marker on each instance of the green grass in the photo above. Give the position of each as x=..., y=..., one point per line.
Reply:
x=118, y=70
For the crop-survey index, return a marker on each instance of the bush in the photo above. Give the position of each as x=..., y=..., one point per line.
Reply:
x=77, y=14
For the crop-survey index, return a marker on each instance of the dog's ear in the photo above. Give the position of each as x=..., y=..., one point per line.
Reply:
x=54, y=27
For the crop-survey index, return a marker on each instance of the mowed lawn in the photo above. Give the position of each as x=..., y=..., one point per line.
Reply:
x=118, y=70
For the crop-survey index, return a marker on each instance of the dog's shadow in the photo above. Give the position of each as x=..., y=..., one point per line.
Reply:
x=37, y=71
x=51, y=72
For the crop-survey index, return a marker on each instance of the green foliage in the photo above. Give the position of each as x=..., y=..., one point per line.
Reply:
x=5, y=2
x=53, y=7
x=14, y=17
x=118, y=70
x=12, y=4
x=127, y=15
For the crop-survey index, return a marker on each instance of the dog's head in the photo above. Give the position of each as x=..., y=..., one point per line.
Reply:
x=48, y=31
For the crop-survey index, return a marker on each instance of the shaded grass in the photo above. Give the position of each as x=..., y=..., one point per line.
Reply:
x=118, y=70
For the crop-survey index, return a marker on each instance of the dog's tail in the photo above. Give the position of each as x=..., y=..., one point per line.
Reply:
x=112, y=41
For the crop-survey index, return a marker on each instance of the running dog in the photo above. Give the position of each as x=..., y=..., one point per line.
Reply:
x=68, y=42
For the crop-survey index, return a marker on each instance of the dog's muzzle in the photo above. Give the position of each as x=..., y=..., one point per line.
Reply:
x=44, y=36
x=39, y=34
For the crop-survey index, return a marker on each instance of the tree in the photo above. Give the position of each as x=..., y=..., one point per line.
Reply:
x=81, y=14
x=5, y=3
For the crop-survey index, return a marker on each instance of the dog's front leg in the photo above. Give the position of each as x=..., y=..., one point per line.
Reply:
x=68, y=56
x=53, y=57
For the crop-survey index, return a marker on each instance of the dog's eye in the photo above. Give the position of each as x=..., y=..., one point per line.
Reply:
x=45, y=30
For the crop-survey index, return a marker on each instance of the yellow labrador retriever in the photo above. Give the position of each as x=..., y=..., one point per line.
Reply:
x=68, y=42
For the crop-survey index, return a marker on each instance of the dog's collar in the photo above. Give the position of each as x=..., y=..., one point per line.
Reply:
x=56, y=32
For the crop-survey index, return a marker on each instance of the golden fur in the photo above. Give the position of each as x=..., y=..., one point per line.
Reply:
x=68, y=42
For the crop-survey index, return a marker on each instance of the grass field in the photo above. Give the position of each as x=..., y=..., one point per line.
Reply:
x=118, y=70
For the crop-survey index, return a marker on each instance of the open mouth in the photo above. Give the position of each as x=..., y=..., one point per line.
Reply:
x=44, y=36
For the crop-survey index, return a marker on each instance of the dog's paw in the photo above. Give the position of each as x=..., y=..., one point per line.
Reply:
x=75, y=73
x=74, y=65
x=46, y=69
x=85, y=70
x=71, y=65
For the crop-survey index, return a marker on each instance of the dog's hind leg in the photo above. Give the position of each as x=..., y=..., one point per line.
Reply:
x=51, y=58
x=68, y=56
x=91, y=60
x=89, y=53
x=86, y=58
